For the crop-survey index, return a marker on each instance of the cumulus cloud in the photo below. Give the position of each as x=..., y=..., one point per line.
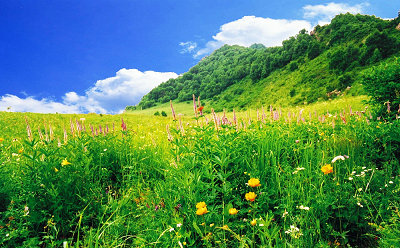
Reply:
x=188, y=47
x=251, y=29
x=110, y=95
x=323, y=13
x=210, y=47
x=29, y=104
x=126, y=88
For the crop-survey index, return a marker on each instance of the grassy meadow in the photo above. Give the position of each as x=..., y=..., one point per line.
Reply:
x=321, y=175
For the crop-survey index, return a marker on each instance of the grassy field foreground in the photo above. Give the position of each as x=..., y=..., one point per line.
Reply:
x=283, y=178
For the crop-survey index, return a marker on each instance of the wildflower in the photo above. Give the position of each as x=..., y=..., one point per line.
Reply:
x=55, y=169
x=65, y=162
x=201, y=211
x=294, y=232
x=326, y=169
x=390, y=182
x=337, y=158
x=350, y=178
x=179, y=225
x=298, y=169
x=261, y=225
x=20, y=151
x=1, y=139
x=184, y=243
x=212, y=224
x=284, y=214
x=26, y=210
x=201, y=205
x=171, y=229
x=303, y=208
x=233, y=211
x=200, y=110
x=251, y=196
x=360, y=205
x=253, y=222
x=254, y=182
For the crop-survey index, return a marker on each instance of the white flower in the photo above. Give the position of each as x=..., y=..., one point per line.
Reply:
x=350, y=178
x=284, y=214
x=26, y=210
x=179, y=225
x=172, y=229
x=298, y=169
x=390, y=182
x=337, y=157
x=360, y=205
x=261, y=224
x=363, y=167
x=303, y=208
x=294, y=232
x=354, y=172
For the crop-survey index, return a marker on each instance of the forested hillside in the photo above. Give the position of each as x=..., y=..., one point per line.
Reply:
x=310, y=66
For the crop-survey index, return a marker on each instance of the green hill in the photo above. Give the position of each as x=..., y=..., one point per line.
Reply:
x=320, y=65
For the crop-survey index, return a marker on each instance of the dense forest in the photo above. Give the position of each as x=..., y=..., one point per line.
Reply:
x=310, y=66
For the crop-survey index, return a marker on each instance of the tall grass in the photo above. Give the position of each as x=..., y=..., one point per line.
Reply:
x=134, y=187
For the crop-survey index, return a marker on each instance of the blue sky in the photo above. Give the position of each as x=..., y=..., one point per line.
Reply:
x=101, y=55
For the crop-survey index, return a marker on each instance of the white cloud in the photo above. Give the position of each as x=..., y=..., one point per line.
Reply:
x=209, y=48
x=29, y=104
x=323, y=14
x=188, y=47
x=126, y=88
x=251, y=29
x=110, y=95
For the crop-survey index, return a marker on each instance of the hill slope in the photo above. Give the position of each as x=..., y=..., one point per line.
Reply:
x=306, y=68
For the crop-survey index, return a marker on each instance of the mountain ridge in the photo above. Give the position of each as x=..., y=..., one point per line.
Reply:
x=320, y=65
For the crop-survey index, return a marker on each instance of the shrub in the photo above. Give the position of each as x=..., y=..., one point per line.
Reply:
x=382, y=84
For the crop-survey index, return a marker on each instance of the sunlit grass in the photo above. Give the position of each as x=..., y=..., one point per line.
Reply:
x=325, y=180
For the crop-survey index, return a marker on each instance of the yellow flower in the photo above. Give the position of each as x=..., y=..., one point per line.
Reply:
x=55, y=169
x=201, y=205
x=326, y=169
x=201, y=211
x=65, y=162
x=253, y=222
x=251, y=196
x=254, y=182
x=21, y=150
x=184, y=243
x=1, y=139
x=233, y=211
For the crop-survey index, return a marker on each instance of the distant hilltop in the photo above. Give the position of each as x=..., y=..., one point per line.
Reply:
x=320, y=65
